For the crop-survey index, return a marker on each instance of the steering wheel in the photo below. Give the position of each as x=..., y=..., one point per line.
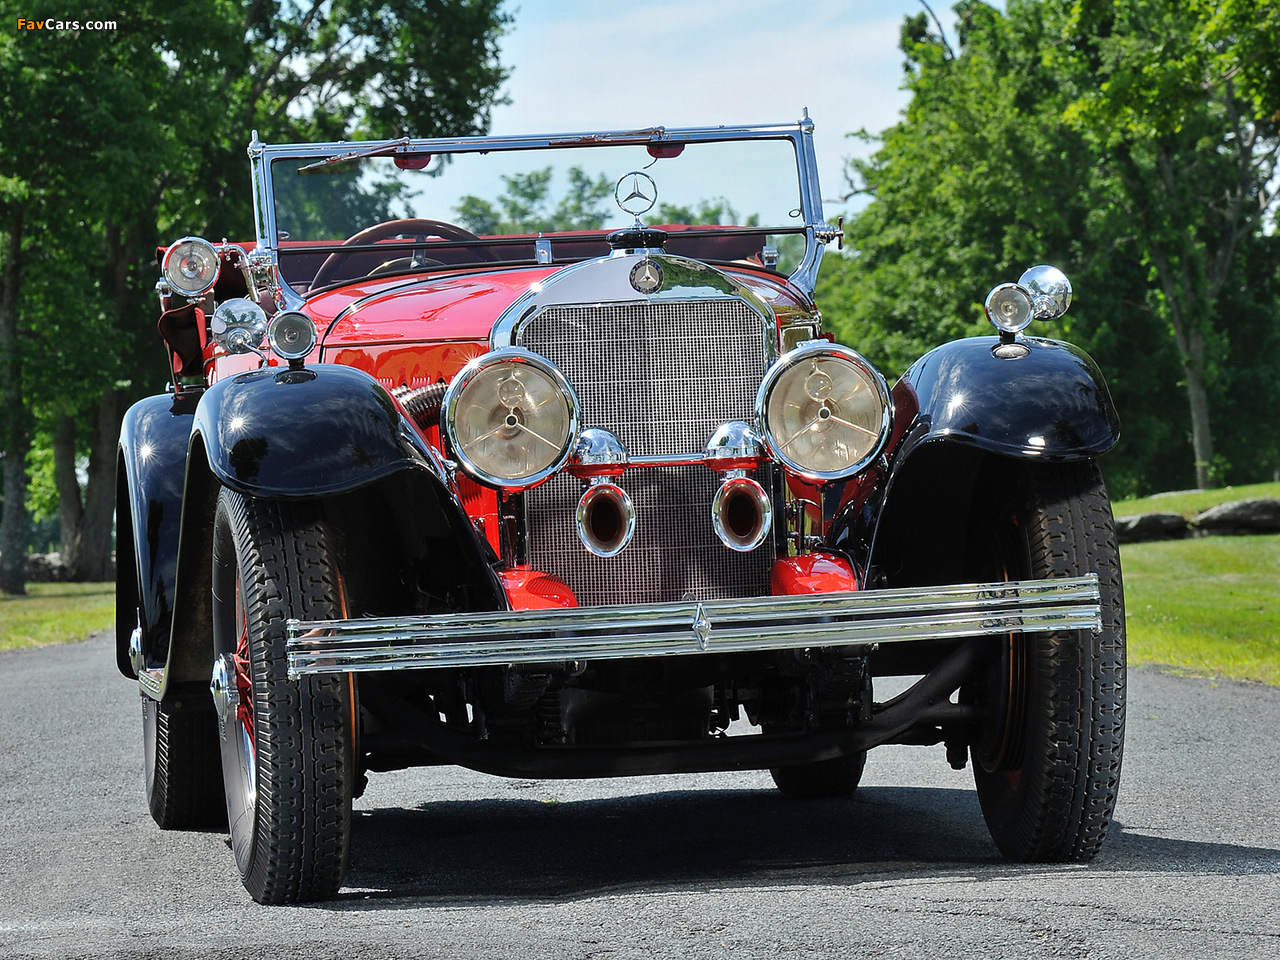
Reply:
x=414, y=226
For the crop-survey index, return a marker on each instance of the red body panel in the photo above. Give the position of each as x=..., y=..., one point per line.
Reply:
x=811, y=573
x=400, y=309
x=449, y=307
x=409, y=364
x=534, y=590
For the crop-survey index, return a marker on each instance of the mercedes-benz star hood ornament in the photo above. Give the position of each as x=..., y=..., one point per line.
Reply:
x=635, y=193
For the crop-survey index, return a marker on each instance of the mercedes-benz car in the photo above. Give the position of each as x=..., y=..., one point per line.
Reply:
x=534, y=455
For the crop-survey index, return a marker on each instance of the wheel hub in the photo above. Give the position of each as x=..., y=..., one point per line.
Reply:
x=225, y=690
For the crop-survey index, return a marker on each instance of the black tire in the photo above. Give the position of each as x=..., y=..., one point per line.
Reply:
x=1047, y=765
x=287, y=750
x=183, y=767
x=837, y=777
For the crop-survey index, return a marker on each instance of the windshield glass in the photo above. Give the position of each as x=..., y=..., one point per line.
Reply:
x=413, y=212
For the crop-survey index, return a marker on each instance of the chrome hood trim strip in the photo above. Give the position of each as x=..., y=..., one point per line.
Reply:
x=692, y=627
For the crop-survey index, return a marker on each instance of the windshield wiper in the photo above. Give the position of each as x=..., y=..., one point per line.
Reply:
x=382, y=151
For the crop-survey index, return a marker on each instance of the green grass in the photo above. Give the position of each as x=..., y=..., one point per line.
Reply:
x=1190, y=502
x=55, y=613
x=1208, y=606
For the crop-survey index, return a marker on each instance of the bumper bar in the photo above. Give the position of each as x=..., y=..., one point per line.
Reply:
x=693, y=627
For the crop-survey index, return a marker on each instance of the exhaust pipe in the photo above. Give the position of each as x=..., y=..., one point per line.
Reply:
x=741, y=513
x=606, y=518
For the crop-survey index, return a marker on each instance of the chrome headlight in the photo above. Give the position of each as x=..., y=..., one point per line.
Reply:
x=1009, y=307
x=824, y=411
x=511, y=418
x=1041, y=293
x=191, y=266
x=1050, y=291
x=292, y=334
x=238, y=325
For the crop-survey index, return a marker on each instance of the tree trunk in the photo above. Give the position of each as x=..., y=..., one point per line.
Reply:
x=1190, y=341
x=14, y=437
x=94, y=544
x=94, y=562
x=70, y=510
x=1201, y=438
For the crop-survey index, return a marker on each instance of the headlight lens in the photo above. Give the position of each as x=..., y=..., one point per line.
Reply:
x=511, y=418
x=292, y=334
x=1009, y=307
x=824, y=411
x=191, y=266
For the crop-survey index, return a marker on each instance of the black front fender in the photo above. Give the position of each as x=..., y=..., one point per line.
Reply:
x=1047, y=403
x=1042, y=401
x=325, y=429
x=150, y=468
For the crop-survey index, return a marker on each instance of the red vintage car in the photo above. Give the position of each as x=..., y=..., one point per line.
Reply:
x=454, y=471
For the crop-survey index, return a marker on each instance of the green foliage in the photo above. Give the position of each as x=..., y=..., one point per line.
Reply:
x=1047, y=139
x=115, y=141
x=525, y=205
x=329, y=70
x=42, y=494
x=715, y=212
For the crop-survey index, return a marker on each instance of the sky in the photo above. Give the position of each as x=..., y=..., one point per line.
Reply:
x=614, y=64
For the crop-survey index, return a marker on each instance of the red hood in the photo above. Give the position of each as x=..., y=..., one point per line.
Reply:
x=401, y=310
x=404, y=310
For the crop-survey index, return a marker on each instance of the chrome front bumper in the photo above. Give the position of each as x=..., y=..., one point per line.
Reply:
x=692, y=627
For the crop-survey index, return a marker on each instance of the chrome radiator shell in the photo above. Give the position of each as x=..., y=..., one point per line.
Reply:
x=662, y=375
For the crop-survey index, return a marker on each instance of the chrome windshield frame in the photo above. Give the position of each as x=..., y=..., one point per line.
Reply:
x=800, y=134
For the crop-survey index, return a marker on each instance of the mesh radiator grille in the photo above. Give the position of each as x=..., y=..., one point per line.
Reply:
x=662, y=377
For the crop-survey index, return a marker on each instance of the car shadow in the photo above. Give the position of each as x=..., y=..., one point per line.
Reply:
x=490, y=851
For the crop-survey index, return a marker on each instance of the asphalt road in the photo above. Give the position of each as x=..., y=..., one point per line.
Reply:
x=450, y=863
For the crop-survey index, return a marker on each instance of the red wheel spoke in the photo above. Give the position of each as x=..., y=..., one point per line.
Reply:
x=244, y=681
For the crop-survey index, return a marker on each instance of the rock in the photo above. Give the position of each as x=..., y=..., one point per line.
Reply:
x=1240, y=517
x=46, y=568
x=1141, y=527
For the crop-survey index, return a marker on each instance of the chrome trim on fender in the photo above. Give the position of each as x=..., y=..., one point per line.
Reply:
x=693, y=627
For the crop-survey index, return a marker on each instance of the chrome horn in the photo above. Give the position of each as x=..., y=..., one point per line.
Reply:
x=606, y=517
x=741, y=512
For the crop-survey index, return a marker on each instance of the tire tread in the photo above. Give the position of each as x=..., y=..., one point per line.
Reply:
x=185, y=790
x=1081, y=676
x=304, y=788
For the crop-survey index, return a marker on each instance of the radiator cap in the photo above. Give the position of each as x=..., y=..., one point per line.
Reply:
x=638, y=238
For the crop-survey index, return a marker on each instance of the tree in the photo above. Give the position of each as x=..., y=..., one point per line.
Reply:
x=140, y=134
x=1000, y=162
x=525, y=205
x=713, y=212
x=70, y=141
x=1185, y=157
